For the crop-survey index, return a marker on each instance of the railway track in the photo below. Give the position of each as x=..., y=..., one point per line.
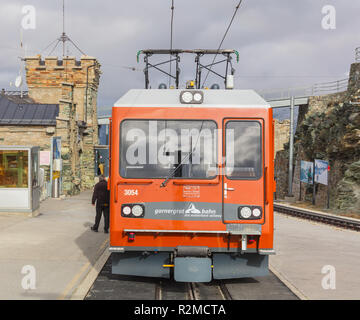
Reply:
x=341, y=222
x=194, y=291
x=108, y=286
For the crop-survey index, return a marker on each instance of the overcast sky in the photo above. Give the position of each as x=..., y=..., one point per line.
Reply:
x=281, y=42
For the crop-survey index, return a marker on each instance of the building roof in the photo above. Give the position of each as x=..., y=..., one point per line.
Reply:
x=23, y=113
x=212, y=99
x=15, y=96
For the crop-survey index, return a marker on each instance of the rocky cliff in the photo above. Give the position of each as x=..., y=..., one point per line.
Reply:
x=329, y=130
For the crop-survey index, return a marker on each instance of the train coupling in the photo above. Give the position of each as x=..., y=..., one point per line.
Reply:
x=192, y=264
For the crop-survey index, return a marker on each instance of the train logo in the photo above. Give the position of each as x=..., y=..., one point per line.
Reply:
x=191, y=209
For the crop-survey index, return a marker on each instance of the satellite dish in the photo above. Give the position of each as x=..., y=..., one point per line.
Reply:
x=18, y=81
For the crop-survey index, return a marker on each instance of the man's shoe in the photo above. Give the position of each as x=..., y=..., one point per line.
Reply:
x=93, y=229
x=106, y=231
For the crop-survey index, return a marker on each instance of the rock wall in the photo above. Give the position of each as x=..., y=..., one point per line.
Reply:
x=282, y=133
x=330, y=131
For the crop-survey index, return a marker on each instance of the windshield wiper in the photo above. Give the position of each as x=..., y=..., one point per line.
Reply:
x=164, y=183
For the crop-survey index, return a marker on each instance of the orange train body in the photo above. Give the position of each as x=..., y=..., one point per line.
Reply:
x=178, y=218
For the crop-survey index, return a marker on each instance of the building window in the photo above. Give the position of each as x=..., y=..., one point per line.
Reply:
x=13, y=169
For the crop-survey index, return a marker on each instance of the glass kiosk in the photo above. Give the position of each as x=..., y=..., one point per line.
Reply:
x=19, y=179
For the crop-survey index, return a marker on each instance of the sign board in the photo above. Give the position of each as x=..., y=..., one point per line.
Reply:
x=44, y=158
x=56, y=175
x=307, y=172
x=56, y=147
x=321, y=172
x=191, y=191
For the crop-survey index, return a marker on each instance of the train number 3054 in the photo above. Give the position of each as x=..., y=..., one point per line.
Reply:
x=131, y=192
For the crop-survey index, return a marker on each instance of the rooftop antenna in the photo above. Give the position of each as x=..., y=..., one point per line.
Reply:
x=64, y=37
x=19, y=78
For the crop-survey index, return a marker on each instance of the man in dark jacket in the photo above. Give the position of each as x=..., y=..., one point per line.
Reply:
x=102, y=197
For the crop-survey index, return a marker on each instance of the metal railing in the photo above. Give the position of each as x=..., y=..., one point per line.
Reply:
x=14, y=92
x=357, y=54
x=317, y=89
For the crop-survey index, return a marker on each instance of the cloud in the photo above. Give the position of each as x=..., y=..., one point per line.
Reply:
x=281, y=43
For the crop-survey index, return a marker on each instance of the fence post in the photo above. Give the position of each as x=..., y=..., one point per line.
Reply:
x=291, y=147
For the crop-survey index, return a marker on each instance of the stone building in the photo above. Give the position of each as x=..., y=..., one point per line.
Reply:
x=24, y=122
x=71, y=85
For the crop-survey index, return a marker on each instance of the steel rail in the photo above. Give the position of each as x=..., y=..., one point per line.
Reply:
x=225, y=291
x=194, y=292
x=341, y=222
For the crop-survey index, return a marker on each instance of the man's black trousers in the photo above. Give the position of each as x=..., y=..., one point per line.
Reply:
x=101, y=209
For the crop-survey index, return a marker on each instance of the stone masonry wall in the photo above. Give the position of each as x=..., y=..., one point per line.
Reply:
x=70, y=83
x=29, y=136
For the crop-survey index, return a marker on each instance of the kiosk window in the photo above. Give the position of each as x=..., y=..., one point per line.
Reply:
x=13, y=169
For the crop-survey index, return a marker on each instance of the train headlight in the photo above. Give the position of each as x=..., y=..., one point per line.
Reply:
x=137, y=210
x=256, y=212
x=250, y=212
x=126, y=210
x=191, y=97
x=187, y=96
x=245, y=212
x=197, y=97
x=132, y=210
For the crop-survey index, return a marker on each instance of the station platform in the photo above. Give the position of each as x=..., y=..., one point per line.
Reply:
x=67, y=256
x=305, y=249
x=57, y=247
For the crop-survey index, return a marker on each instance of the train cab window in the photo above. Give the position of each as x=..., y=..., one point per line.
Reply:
x=158, y=148
x=243, y=150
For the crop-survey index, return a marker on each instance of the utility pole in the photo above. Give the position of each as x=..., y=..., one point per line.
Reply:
x=291, y=146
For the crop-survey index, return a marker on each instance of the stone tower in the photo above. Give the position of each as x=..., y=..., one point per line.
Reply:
x=73, y=85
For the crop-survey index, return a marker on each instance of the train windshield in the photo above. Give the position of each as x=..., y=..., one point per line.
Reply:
x=243, y=150
x=155, y=148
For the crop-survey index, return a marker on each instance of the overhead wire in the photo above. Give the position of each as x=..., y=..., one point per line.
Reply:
x=171, y=37
x=222, y=40
x=54, y=48
x=47, y=47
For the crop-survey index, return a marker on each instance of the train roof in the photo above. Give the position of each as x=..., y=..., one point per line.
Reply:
x=167, y=98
